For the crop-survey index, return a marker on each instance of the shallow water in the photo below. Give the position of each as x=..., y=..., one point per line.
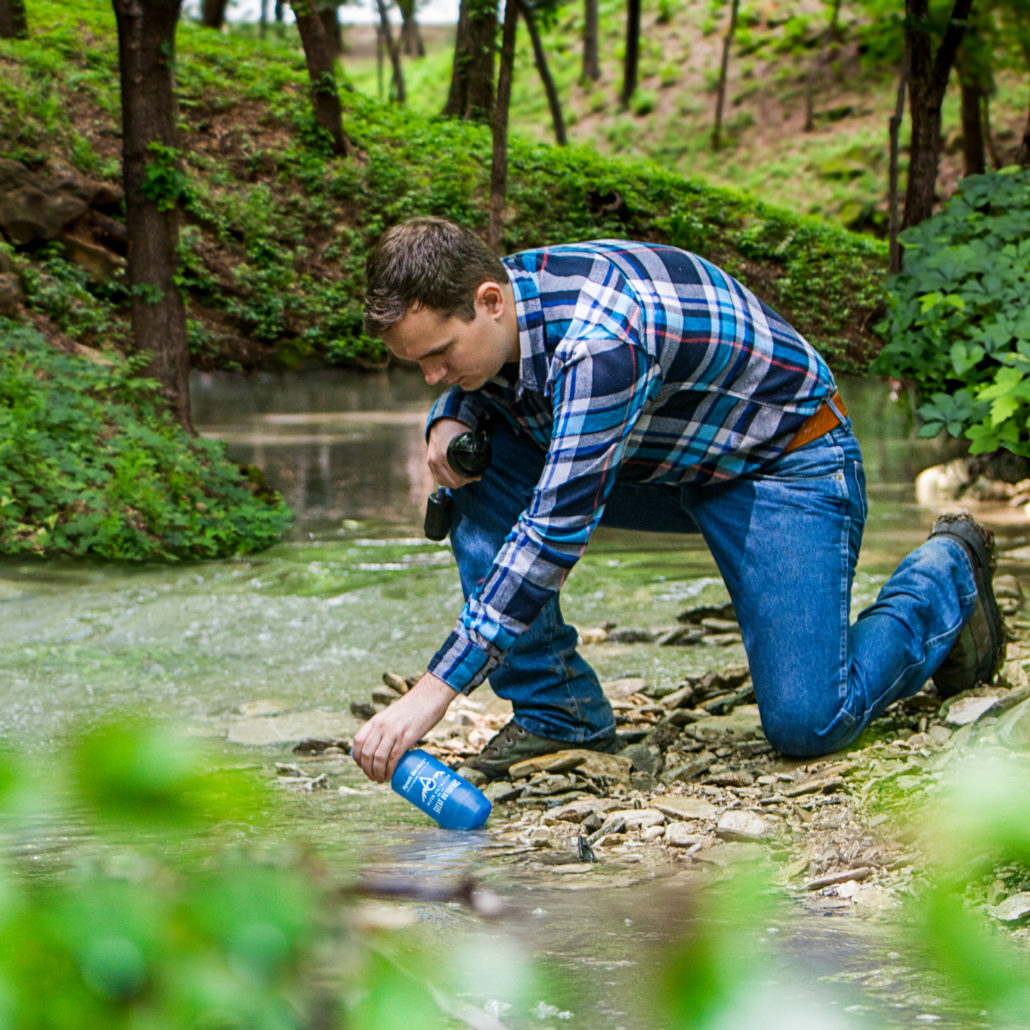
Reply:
x=311, y=624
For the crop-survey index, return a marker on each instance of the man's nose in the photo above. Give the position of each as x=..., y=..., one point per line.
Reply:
x=433, y=373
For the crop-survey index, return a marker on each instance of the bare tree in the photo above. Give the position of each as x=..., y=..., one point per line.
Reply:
x=1023, y=153
x=631, y=63
x=894, y=246
x=212, y=13
x=321, y=73
x=146, y=54
x=499, y=157
x=540, y=59
x=927, y=83
x=471, y=93
x=411, y=34
x=591, y=47
x=826, y=50
x=394, y=50
x=13, y=23
x=724, y=68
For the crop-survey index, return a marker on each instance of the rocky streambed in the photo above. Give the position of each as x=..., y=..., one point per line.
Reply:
x=697, y=789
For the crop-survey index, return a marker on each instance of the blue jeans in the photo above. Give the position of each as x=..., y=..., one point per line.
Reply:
x=786, y=540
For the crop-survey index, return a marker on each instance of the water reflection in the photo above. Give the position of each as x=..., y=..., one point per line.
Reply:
x=344, y=446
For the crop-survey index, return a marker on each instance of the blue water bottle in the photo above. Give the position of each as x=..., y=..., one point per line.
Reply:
x=440, y=792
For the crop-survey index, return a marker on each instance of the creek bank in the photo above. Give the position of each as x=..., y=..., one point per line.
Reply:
x=697, y=790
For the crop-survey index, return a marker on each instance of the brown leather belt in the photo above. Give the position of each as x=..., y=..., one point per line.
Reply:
x=818, y=424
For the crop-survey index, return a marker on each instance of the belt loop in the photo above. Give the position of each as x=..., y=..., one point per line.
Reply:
x=832, y=403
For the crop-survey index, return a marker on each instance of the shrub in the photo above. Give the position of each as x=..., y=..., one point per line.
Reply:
x=959, y=325
x=91, y=464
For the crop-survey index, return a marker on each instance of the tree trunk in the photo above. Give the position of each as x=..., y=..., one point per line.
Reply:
x=322, y=73
x=13, y=23
x=972, y=129
x=146, y=55
x=724, y=69
x=829, y=41
x=411, y=35
x=540, y=57
x=632, y=62
x=1023, y=153
x=992, y=147
x=591, y=48
x=471, y=94
x=894, y=246
x=928, y=80
x=263, y=19
x=329, y=16
x=392, y=48
x=280, y=11
x=212, y=13
x=499, y=159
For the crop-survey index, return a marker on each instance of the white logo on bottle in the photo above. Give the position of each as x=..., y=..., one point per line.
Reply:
x=428, y=786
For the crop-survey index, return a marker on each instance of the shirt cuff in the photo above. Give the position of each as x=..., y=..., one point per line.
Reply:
x=462, y=665
x=453, y=403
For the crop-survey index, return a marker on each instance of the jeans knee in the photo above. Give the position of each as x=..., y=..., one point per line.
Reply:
x=796, y=734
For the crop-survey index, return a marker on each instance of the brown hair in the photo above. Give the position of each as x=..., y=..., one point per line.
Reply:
x=426, y=262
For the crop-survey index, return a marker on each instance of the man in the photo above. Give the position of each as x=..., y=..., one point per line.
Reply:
x=640, y=386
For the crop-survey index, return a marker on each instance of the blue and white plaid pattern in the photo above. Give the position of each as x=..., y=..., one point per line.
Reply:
x=639, y=363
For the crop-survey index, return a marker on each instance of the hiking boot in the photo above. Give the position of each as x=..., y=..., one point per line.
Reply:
x=513, y=744
x=979, y=649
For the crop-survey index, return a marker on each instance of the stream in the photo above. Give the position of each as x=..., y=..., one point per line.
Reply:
x=234, y=650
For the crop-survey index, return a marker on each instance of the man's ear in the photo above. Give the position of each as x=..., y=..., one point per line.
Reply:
x=491, y=296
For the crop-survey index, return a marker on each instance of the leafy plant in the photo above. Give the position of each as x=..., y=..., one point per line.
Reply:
x=92, y=464
x=959, y=325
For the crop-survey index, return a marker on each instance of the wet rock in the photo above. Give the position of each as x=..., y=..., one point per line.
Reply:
x=631, y=636
x=580, y=811
x=715, y=625
x=398, y=683
x=680, y=636
x=700, y=612
x=1013, y=909
x=384, y=695
x=842, y=876
x=329, y=748
x=720, y=639
x=624, y=688
x=740, y=824
x=685, y=716
x=725, y=703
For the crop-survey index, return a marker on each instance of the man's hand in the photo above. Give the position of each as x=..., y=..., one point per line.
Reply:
x=380, y=743
x=441, y=433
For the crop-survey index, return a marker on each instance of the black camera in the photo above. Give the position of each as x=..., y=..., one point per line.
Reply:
x=468, y=454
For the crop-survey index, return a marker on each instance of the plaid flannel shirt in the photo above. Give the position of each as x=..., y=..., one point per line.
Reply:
x=639, y=363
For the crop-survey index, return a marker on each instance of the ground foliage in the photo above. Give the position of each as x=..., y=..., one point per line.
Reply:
x=277, y=227
x=959, y=325
x=92, y=465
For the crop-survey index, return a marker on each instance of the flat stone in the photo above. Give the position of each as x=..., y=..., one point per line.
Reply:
x=579, y=811
x=740, y=824
x=1013, y=909
x=639, y=818
x=680, y=808
x=264, y=706
x=290, y=728
x=621, y=689
x=743, y=723
x=968, y=708
x=682, y=835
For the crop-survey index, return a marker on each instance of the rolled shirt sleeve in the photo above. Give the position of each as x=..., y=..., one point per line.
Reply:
x=601, y=384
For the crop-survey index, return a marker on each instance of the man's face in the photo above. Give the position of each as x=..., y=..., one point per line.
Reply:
x=454, y=352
